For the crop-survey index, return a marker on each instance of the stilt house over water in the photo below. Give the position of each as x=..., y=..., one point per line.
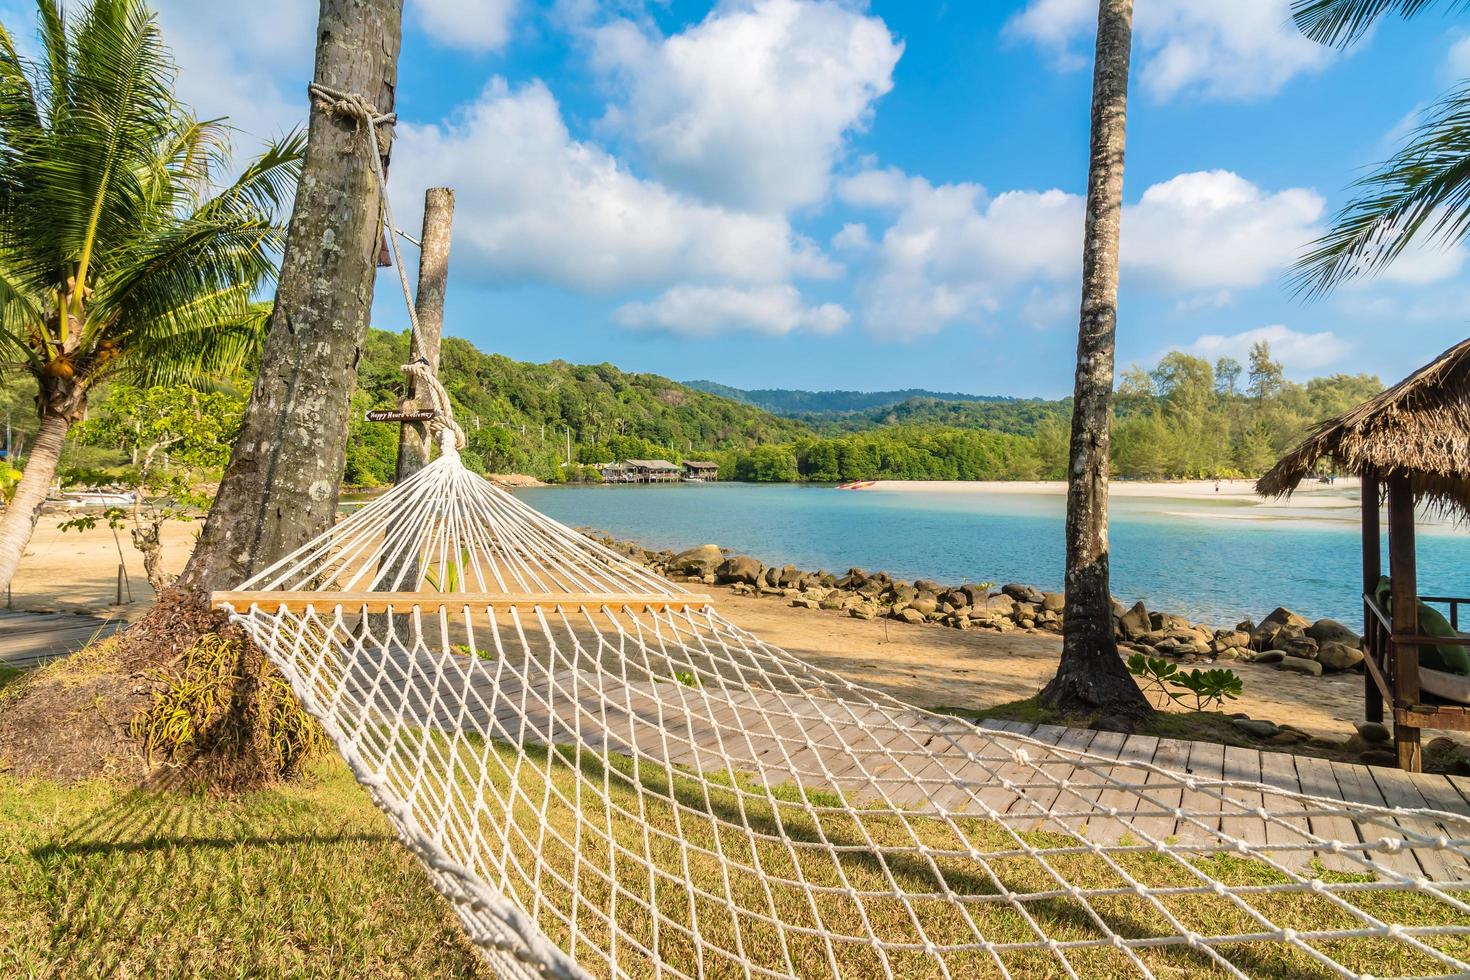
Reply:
x=1409, y=445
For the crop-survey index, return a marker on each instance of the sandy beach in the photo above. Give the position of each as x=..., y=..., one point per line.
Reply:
x=1339, y=494
x=932, y=667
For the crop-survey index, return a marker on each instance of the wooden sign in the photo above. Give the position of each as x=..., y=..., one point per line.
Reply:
x=394, y=415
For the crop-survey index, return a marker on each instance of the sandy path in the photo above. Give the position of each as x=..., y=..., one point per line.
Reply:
x=929, y=666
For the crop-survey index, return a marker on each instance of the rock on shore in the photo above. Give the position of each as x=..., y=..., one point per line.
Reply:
x=1282, y=637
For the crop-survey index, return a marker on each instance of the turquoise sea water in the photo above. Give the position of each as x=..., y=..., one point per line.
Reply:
x=1214, y=560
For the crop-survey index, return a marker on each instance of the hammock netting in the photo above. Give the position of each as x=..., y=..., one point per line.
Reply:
x=607, y=778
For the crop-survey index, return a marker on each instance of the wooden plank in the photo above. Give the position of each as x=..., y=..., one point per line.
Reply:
x=1439, y=794
x=1318, y=779
x=1400, y=792
x=1358, y=787
x=1172, y=755
x=1242, y=764
x=1202, y=825
x=1279, y=770
x=499, y=601
x=1108, y=830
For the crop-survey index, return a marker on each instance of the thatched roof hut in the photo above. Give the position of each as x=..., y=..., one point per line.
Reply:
x=1419, y=428
x=1413, y=440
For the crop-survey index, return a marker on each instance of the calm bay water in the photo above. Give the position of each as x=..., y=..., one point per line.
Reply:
x=1215, y=560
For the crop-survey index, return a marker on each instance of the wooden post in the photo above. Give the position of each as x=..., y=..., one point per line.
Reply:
x=1405, y=619
x=1372, y=570
x=413, y=437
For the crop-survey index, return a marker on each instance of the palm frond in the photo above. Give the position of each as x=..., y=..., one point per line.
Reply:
x=1340, y=23
x=1422, y=191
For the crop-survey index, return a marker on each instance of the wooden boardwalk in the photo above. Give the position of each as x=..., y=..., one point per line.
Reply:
x=1108, y=788
x=32, y=639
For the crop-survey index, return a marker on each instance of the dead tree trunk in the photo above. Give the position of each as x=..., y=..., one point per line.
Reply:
x=280, y=488
x=413, y=438
x=1090, y=678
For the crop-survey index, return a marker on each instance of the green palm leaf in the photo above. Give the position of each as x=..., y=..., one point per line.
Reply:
x=1423, y=190
x=1342, y=22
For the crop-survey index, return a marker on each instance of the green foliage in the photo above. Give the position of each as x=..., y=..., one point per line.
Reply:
x=1207, y=687
x=520, y=417
x=1184, y=420
x=120, y=255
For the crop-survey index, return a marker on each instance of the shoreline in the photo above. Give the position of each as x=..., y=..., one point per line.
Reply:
x=1343, y=493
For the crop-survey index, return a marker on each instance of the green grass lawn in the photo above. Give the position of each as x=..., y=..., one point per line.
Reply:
x=302, y=881
x=307, y=881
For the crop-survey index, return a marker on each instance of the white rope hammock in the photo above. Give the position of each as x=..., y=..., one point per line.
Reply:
x=605, y=777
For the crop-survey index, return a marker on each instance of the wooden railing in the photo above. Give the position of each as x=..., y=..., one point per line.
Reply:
x=1380, y=639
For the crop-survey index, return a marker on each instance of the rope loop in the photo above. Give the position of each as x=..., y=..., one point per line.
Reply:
x=420, y=372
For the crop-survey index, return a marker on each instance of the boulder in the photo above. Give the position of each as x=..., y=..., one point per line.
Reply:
x=957, y=598
x=924, y=603
x=1287, y=737
x=1268, y=657
x=836, y=600
x=801, y=602
x=738, y=568
x=863, y=610
x=1000, y=605
x=927, y=585
x=1257, y=727
x=1300, y=665
x=1280, y=623
x=1338, y=656
x=1053, y=601
x=1022, y=593
x=911, y=616
x=1231, y=639
x=786, y=578
x=697, y=561
x=1374, y=732
x=1380, y=757
x=853, y=578
x=1134, y=623
x=975, y=595
x=1331, y=631
x=1299, y=646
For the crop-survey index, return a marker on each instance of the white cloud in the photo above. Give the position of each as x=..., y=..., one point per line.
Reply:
x=853, y=237
x=750, y=107
x=1297, y=351
x=472, y=25
x=1456, y=67
x=249, y=64
x=954, y=254
x=535, y=204
x=1239, y=50
x=1214, y=229
x=706, y=311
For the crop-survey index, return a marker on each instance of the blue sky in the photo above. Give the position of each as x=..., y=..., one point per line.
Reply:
x=822, y=194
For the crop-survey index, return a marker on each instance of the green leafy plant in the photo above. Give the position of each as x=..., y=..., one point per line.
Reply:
x=1154, y=674
x=1208, y=687
x=1159, y=678
x=686, y=677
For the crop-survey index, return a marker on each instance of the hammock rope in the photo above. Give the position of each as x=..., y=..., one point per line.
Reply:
x=606, y=777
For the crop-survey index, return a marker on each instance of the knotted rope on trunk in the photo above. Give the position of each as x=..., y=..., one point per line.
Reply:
x=425, y=380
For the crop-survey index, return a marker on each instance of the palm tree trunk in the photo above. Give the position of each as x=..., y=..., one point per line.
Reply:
x=280, y=488
x=19, y=520
x=1090, y=678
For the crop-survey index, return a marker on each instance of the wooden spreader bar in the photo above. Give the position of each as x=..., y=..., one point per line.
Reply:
x=498, y=601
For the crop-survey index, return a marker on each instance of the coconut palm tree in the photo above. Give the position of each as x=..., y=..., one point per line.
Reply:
x=120, y=257
x=1090, y=678
x=1422, y=191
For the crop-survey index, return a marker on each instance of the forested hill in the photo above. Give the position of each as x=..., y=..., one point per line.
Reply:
x=794, y=402
x=518, y=415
